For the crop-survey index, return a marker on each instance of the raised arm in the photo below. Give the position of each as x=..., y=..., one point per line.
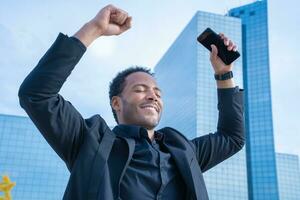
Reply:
x=109, y=21
x=229, y=138
x=59, y=122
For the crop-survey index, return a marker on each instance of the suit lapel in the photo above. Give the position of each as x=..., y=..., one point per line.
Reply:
x=182, y=156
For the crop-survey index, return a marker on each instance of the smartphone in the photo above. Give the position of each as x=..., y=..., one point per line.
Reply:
x=209, y=37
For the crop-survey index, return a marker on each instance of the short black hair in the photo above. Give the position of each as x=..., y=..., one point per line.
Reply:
x=117, y=84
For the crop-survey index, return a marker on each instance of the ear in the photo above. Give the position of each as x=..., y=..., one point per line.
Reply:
x=116, y=103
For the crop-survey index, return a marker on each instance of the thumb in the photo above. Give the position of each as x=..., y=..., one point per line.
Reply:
x=214, y=51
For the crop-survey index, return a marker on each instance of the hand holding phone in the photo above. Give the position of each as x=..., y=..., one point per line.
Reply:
x=209, y=37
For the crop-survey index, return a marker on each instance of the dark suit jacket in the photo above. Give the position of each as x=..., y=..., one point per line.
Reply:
x=95, y=156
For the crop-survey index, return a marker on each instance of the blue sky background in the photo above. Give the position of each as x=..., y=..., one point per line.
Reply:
x=28, y=28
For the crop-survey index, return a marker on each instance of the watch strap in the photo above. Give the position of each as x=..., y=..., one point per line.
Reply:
x=222, y=77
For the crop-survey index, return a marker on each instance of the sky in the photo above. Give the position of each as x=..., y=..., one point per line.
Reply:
x=28, y=28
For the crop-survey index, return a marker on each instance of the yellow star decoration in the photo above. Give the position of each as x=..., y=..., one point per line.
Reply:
x=5, y=186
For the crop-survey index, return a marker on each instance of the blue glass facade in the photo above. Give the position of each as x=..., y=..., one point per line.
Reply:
x=176, y=75
x=185, y=75
x=288, y=173
x=261, y=163
x=28, y=160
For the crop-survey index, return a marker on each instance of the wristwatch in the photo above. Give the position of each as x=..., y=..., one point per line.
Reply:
x=222, y=77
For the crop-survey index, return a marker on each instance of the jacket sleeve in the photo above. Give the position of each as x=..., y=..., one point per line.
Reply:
x=229, y=138
x=58, y=121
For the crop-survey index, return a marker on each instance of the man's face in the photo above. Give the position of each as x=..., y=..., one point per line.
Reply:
x=140, y=102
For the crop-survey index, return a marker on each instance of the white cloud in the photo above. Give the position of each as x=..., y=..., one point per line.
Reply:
x=103, y=47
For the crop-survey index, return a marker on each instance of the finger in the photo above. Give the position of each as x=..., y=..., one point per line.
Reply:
x=128, y=22
x=230, y=46
x=105, y=12
x=123, y=16
x=214, y=52
x=226, y=41
x=127, y=25
x=123, y=11
x=114, y=10
x=119, y=20
x=119, y=17
x=111, y=7
x=221, y=35
x=234, y=48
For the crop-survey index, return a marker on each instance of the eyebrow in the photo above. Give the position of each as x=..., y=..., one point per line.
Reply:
x=146, y=86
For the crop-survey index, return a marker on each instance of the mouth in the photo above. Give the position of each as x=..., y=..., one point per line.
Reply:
x=151, y=107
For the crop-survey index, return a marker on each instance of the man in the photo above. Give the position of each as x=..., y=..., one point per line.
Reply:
x=132, y=161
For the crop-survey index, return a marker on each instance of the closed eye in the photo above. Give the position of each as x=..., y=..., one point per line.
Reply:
x=143, y=88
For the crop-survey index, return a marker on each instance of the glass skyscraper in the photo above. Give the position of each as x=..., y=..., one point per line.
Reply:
x=189, y=91
x=288, y=173
x=186, y=78
x=28, y=160
x=261, y=163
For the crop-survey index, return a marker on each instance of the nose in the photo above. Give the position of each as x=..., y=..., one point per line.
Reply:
x=151, y=95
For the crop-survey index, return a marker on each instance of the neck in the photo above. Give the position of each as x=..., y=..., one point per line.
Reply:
x=151, y=134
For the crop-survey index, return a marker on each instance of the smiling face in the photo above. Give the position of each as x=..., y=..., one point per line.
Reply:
x=140, y=102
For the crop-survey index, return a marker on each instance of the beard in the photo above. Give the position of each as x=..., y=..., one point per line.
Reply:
x=135, y=115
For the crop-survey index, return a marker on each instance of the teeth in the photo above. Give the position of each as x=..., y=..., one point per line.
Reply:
x=149, y=107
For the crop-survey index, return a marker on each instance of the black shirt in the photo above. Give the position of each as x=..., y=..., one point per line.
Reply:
x=152, y=173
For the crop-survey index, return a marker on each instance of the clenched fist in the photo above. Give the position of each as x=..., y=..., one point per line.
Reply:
x=110, y=20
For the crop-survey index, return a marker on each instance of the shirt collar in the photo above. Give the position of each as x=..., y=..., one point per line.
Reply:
x=134, y=131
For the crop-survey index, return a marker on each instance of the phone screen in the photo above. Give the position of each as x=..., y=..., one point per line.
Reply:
x=209, y=37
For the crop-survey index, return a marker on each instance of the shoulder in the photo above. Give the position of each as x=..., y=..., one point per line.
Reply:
x=172, y=132
x=96, y=125
x=172, y=135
